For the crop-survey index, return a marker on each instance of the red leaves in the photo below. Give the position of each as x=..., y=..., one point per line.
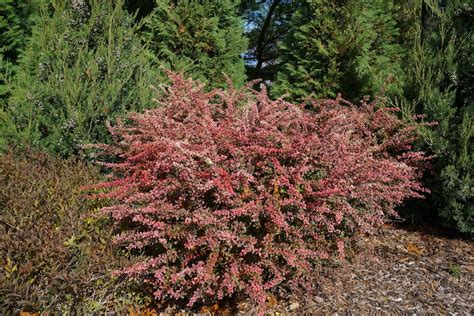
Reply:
x=223, y=182
x=241, y=198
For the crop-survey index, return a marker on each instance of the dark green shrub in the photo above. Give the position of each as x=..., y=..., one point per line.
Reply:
x=16, y=20
x=348, y=46
x=439, y=86
x=203, y=39
x=54, y=253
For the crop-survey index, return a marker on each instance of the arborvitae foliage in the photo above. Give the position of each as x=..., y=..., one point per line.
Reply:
x=16, y=19
x=378, y=64
x=231, y=194
x=266, y=26
x=440, y=87
x=83, y=65
x=313, y=49
x=342, y=46
x=203, y=39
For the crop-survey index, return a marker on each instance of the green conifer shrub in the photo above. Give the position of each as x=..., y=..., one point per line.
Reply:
x=378, y=64
x=16, y=20
x=439, y=87
x=340, y=46
x=83, y=65
x=203, y=39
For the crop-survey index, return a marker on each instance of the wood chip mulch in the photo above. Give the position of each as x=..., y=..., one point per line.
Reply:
x=397, y=271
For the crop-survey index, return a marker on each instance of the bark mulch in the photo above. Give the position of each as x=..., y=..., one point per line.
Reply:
x=397, y=271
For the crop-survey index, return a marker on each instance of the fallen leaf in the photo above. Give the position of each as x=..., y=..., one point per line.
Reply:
x=271, y=300
x=149, y=312
x=210, y=309
x=294, y=306
x=224, y=312
x=133, y=311
x=414, y=249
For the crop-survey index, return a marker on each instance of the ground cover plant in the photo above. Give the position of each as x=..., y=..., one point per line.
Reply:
x=55, y=253
x=231, y=193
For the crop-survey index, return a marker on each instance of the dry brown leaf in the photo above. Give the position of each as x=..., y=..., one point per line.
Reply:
x=149, y=312
x=133, y=311
x=137, y=311
x=271, y=300
x=224, y=312
x=247, y=192
x=414, y=249
x=210, y=309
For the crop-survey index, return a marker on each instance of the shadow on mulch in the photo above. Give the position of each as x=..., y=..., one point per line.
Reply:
x=434, y=230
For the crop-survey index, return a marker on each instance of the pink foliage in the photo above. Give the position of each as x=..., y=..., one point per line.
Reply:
x=230, y=192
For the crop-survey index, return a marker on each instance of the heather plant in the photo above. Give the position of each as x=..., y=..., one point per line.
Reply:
x=231, y=193
x=83, y=64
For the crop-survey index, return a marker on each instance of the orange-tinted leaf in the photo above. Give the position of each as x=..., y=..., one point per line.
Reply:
x=133, y=311
x=28, y=314
x=271, y=300
x=414, y=249
x=150, y=312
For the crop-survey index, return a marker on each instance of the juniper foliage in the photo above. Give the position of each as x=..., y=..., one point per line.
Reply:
x=440, y=88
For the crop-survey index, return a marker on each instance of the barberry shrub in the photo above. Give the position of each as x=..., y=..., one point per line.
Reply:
x=230, y=192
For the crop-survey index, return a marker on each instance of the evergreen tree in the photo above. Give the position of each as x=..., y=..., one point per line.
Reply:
x=204, y=39
x=440, y=87
x=342, y=46
x=377, y=65
x=312, y=51
x=84, y=64
x=16, y=19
